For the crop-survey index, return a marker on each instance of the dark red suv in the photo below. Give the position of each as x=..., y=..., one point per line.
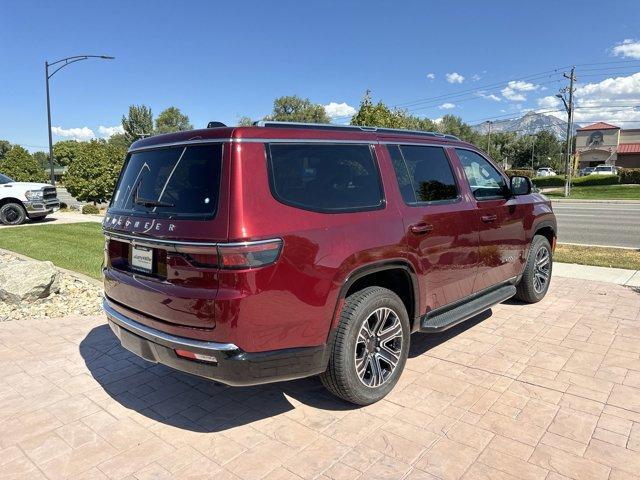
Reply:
x=257, y=254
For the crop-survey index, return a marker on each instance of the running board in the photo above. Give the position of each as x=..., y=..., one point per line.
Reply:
x=438, y=322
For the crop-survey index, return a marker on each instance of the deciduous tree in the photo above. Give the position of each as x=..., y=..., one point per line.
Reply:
x=138, y=123
x=18, y=164
x=172, y=120
x=296, y=109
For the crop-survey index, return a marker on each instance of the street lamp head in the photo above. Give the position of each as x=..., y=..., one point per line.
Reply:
x=107, y=57
x=559, y=95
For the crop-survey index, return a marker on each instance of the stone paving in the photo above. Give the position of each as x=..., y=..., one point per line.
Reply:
x=547, y=391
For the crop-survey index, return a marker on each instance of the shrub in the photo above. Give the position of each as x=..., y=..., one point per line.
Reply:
x=18, y=164
x=630, y=175
x=93, y=174
x=90, y=209
x=545, y=182
x=63, y=206
x=593, y=180
x=515, y=172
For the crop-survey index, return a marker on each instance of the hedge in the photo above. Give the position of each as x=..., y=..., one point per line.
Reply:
x=593, y=180
x=630, y=175
x=520, y=173
x=543, y=182
x=90, y=209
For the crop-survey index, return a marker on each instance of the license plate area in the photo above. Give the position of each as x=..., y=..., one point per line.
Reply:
x=141, y=259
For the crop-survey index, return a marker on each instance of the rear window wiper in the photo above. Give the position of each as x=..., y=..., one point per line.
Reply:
x=151, y=203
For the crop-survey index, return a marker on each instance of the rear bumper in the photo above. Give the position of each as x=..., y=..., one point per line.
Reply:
x=233, y=366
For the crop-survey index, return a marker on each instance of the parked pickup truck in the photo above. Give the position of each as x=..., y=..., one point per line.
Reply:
x=20, y=201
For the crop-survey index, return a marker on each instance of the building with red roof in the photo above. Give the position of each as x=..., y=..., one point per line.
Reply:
x=603, y=143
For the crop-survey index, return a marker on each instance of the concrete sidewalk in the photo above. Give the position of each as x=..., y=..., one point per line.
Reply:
x=619, y=276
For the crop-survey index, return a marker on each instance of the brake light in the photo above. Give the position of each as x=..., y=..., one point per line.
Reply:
x=249, y=254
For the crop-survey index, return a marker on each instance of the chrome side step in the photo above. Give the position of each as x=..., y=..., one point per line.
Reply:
x=438, y=320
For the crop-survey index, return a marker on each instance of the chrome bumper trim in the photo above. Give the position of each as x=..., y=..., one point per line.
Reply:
x=156, y=336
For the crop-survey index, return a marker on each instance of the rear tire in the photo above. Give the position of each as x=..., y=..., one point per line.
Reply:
x=370, y=347
x=537, y=272
x=12, y=214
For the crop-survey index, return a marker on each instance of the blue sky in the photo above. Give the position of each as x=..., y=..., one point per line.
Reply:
x=219, y=61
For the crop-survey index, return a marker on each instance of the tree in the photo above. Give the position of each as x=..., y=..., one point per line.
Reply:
x=138, y=123
x=119, y=140
x=18, y=164
x=42, y=159
x=93, y=174
x=296, y=109
x=379, y=115
x=245, y=121
x=452, y=125
x=545, y=148
x=5, y=146
x=64, y=152
x=172, y=120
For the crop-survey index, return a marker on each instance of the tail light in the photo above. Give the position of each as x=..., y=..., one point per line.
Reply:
x=237, y=255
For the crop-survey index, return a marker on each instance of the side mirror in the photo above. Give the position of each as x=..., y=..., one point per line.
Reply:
x=520, y=186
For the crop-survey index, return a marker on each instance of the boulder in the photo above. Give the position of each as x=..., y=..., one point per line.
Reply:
x=27, y=281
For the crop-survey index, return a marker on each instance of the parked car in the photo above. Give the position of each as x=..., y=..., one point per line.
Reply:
x=583, y=172
x=545, y=172
x=605, y=170
x=258, y=254
x=20, y=201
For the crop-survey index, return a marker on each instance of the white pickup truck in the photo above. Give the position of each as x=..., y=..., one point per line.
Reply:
x=22, y=200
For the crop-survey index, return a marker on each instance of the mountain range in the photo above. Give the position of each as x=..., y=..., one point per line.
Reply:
x=529, y=124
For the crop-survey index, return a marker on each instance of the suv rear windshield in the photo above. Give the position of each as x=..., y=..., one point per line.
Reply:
x=171, y=182
x=325, y=178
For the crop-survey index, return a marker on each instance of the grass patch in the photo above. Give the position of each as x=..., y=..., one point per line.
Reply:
x=600, y=192
x=78, y=246
x=598, y=256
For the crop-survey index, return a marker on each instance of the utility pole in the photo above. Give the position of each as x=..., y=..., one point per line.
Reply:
x=569, y=108
x=489, y=140
x=533, y=149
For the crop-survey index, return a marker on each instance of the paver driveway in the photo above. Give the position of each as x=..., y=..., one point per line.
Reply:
x=544, y=391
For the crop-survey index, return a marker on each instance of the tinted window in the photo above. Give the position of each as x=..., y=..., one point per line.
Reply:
x=484, y=180
x=179, y=181
x=325, y=177
x=424, y=173
x=5, y=179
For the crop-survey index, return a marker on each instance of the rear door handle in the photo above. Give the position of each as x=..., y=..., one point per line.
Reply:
x=489, y=218
x=421, y=228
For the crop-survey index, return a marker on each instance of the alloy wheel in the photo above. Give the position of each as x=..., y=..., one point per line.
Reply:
x=378, y=347
x=541, y=270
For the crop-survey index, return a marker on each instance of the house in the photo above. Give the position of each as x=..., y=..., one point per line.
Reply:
x=603, y=143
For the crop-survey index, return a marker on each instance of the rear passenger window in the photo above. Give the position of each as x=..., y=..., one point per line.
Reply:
x=326, y=178
x=424, y=173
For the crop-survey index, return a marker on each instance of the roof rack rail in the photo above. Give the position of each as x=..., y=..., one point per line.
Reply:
x=330, y=126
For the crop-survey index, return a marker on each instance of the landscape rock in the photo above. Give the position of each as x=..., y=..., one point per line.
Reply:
x=28, y=281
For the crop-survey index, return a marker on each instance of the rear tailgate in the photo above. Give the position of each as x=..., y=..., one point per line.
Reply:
x=168, y=212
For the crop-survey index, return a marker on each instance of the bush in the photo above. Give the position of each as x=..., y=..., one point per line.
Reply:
x=593, y=180
x=63, y=206
x=90, y=209
x=93, y=174
x=18, y=164
x=520, y=173
x=546, y=182
x=630, y=175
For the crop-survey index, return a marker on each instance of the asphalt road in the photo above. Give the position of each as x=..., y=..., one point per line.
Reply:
x=595, y=223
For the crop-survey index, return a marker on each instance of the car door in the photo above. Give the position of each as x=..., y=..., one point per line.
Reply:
x=440, y=229
x=499, y=219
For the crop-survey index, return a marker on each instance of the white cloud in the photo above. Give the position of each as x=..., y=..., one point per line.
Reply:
x=490, y=96
x=613, y=100
x=514, y=90
x=335, y=110
x=107, y=132
x=80, y=134
x=447, y=106
x=549, y=102
x=437, y=120
x=475, y=77
x=431, y=76
x=627, y=49
x=454, y=77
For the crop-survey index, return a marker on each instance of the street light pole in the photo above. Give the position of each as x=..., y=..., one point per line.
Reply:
x=65, y=62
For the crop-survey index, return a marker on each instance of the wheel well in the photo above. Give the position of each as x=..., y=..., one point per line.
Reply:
x=397, y=280
x=4, y=201
x=548, y=233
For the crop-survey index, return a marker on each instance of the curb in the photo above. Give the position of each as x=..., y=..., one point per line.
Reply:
x=571, y=200
x=618, y=276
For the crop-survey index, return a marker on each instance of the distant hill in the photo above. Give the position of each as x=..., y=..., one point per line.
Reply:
x=530, y=124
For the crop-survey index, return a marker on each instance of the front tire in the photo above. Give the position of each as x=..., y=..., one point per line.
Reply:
x=537, y=272
x=370, y=348
x=12, y=214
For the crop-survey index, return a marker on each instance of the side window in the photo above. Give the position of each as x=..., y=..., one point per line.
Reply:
x=485, y=181
x=424, y=173
x=325, y=178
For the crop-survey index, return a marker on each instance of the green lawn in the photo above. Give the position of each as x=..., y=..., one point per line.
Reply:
x=77, y=246
x=600, y=192
x=599, y=256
